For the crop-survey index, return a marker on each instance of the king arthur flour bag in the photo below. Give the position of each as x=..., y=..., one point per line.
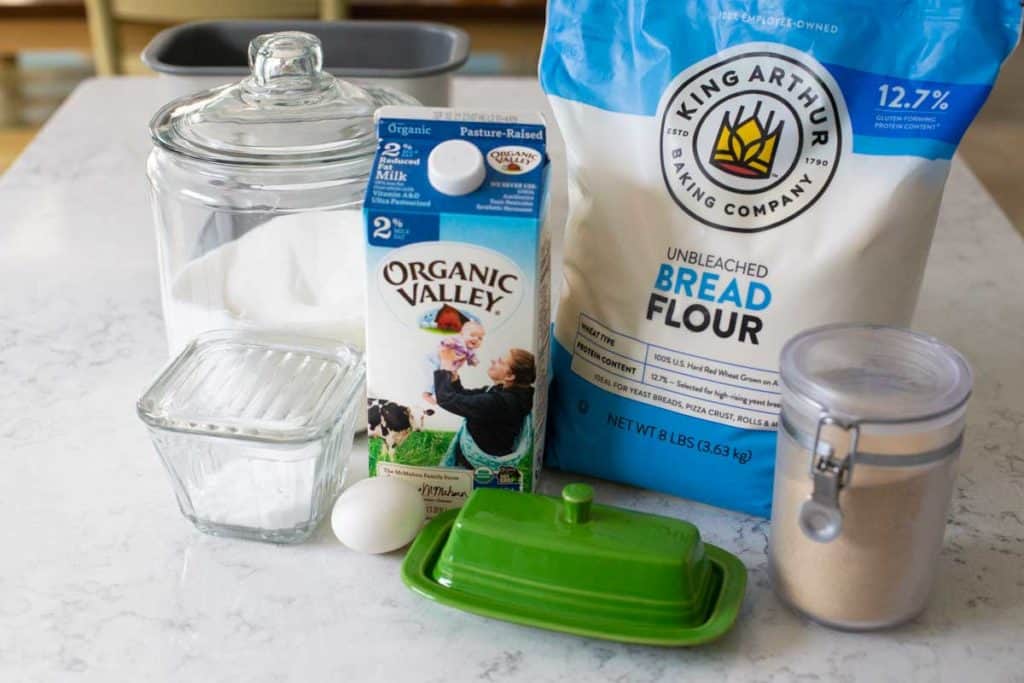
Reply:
x=740, y=171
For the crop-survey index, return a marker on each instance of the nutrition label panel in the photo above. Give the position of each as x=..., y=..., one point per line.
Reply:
x=709, y=389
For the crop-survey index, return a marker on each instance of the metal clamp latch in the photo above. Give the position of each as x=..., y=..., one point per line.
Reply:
x=820, y=517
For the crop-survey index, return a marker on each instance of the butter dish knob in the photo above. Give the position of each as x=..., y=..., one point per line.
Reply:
x=577, y=499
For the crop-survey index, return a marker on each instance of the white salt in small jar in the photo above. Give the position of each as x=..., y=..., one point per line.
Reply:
x=871, y=428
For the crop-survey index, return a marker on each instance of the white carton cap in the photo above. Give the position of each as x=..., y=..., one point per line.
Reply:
x=456, y=167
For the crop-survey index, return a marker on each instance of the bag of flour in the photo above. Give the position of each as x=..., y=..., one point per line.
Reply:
x=740, y=171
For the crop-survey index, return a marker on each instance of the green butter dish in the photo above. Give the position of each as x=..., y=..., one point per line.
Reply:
x=567, y=564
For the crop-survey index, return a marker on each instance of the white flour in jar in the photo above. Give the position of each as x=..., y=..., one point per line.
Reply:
x=258, y=494
x=297, y=273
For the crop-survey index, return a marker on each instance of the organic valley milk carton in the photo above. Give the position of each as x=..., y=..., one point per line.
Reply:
x=458, y=315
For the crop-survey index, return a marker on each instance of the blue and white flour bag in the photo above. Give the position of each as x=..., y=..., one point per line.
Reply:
x=740, y=171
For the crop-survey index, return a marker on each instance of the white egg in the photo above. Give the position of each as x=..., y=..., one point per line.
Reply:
x=378, y=515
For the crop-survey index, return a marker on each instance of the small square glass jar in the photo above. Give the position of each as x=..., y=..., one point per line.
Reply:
x=255, y=430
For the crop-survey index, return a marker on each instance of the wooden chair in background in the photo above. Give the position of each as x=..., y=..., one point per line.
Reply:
x=26, y=26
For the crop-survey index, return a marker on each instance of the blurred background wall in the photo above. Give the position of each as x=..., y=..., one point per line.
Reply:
x=48, y=46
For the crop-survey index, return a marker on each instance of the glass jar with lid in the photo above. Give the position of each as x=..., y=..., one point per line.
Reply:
x=257, y=192
x=870, y=433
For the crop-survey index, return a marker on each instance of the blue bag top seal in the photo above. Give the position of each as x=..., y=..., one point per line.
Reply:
x=915, y=95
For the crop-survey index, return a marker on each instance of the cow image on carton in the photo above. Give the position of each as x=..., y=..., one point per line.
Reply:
x=458, y=308
x=393, y=423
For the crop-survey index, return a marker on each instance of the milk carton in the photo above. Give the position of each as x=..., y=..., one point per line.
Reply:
x=458, y=315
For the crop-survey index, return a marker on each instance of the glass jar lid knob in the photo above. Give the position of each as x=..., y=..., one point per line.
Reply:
x=291, y=60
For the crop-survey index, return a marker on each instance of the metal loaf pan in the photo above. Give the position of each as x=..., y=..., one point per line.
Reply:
x=415, y=57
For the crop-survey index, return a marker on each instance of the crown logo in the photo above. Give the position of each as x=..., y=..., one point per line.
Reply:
x=746, y=147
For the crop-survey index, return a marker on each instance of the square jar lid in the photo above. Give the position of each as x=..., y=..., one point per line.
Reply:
x=255, y=386
x=570, y=565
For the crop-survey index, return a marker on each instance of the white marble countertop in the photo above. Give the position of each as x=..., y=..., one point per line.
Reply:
x=101, y=579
